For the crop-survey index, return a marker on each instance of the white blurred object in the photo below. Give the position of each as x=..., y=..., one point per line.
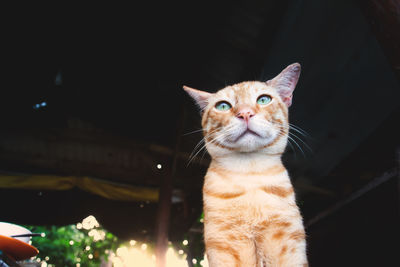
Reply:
x=10, y=229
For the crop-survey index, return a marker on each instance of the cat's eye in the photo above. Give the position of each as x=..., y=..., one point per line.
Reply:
x=263, y=99
x=223, y=105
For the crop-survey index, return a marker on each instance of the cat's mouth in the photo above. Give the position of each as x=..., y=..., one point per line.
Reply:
x=247, y=132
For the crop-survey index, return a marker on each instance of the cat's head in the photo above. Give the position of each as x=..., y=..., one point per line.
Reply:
x=248, y=116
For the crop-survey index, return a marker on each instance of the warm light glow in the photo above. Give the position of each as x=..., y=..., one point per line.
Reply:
x=185, y=242
x=87, y=248
x=144, y=246
x=42, y=234
x=194, y=261
x=173, y=260
x=71, y=242
x=78, y=265
x=90, y=256
x=135, y=257
x=122, y=251
x=131, y=257
x=159, y=166
x=180, y=252
x=132, y=242
x=204, y=262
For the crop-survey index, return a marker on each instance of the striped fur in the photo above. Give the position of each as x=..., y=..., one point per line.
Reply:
x=250, y=214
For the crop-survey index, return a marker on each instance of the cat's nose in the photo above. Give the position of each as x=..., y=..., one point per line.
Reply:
x=245, y=114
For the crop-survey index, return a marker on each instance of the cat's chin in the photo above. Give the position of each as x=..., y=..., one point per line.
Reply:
x=251, y=142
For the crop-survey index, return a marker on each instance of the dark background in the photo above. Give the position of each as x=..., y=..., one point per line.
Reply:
x=112, y=78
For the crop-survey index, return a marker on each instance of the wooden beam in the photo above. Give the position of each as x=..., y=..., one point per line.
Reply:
x=355, y=195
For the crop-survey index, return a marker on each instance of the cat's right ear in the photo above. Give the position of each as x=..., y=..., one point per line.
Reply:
x=200, y=97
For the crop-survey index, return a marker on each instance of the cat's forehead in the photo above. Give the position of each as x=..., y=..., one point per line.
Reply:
x=244, y=90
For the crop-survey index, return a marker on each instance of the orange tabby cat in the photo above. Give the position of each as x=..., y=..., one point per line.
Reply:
x=250, y=214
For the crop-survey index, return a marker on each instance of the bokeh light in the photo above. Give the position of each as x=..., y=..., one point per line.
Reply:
x=136, y=257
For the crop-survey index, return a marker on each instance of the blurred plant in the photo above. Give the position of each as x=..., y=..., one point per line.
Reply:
x=83, y=244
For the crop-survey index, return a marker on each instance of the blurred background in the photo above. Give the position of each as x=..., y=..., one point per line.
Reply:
x=94, y=121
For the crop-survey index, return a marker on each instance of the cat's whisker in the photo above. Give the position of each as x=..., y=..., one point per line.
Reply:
x=298, y=129
x=197, y=145
x=192, y=157
x=301, y=140
x=192, y=132
x=291, y=146
x=299, y=147
x=290, y=139
x=203, y=139
x=202, y=155
x=203, y=146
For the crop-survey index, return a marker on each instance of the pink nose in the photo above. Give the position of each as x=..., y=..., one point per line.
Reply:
x=245, y=114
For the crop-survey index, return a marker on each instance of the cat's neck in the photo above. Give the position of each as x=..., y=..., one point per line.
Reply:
x=243, y=162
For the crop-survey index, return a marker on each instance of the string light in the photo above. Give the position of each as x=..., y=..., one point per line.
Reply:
x=185, y=242
x=159, y=166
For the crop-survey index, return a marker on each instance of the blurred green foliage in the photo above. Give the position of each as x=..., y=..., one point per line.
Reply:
x=66, y=245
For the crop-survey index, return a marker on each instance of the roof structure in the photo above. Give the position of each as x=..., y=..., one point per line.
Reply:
x=94, y=116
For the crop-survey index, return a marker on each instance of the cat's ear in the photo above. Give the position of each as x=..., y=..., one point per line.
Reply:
x=286, y=81
x=200, y=97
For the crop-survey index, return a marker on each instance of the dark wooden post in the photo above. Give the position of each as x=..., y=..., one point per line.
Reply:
x=398, y=176
x=164, y=201
x=162, y=223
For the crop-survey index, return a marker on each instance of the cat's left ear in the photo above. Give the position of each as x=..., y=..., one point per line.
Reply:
x=200, y=97
x=286, y=81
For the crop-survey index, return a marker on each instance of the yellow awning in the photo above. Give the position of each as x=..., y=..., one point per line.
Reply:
x=106, y=189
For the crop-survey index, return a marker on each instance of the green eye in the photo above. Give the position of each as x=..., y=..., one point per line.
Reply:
x=223, y=105
x=264, y=99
